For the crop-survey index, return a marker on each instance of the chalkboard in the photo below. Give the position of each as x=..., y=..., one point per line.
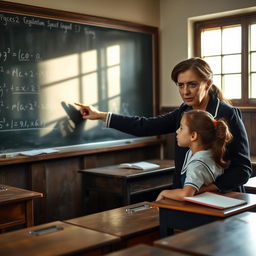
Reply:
x=47, y=64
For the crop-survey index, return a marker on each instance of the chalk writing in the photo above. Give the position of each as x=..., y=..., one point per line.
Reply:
x=48, y=61
x=20, y=124
x=49, y=24
x=33, y=21
x=20, y=55
x=9, y=19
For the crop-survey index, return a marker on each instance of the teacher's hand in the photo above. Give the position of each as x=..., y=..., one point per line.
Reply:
x=90, y=112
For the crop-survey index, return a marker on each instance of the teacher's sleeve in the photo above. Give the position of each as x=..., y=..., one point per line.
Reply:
x=143, y=126
x=238, y=153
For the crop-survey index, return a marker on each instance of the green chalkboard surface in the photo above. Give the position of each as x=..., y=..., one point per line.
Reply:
x=47, y=63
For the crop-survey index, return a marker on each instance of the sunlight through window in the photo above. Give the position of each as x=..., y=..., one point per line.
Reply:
x=232, y=86
x=221, y=48
x=90, y=88
x=252, y=68
x=89, y=61
x=211, y=42
x=59, y=69
x=113, y=78
x=51, y=109
x=59, y=83
x=231, y=40
x=113, y=55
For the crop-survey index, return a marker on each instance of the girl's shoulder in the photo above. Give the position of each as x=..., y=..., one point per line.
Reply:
x=203, y=155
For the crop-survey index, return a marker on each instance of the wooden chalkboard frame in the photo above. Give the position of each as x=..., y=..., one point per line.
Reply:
x=105, y=23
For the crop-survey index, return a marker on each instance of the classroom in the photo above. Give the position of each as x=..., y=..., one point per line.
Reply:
x=60, y=173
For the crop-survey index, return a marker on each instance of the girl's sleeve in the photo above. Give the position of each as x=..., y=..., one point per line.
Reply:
x=198, y=175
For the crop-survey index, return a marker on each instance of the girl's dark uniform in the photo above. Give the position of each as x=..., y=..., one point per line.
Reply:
x=238, y=153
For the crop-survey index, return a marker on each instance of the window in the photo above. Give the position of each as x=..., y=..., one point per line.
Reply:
x=229, y=46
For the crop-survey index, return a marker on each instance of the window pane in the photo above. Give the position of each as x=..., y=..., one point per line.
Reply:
x=211, y=42
x=253, y=62
x=217, y=80
x=232, y=86
x=231, y=64
x=215, y=64
x=253, y=37
x=231, y=40
x=253, y=86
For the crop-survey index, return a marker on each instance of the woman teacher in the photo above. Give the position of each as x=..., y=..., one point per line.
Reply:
x=193, y=78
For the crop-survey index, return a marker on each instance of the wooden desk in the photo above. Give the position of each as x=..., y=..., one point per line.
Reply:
x=16, y=207
x=186, y=215
x=113, y=187
x=142, y=250
x=253, y=161
x=235, y=236
x=131, y=227
x=65, y=240
x=250, y=186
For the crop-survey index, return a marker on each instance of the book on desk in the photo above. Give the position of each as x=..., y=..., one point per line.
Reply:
x=215, y=200
x=139, y=165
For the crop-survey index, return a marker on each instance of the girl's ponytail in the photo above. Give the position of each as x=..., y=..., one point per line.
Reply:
x=223, y=136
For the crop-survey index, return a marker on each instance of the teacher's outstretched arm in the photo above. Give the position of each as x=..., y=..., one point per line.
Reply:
x=90, y=112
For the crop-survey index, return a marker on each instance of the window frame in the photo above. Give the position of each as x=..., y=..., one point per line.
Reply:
x=244, y=20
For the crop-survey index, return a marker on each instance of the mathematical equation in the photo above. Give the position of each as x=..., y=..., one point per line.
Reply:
x=20, y=55
x=21, y=107
x=10, y=103
x=20, y=124
x=16, y=72
x=18, y=89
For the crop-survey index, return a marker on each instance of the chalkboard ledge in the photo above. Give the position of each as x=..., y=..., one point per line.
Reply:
x=80, y=150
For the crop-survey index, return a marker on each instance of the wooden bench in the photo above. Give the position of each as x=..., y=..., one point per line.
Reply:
x=133, y=224
x=233, y=236
x=56, y=238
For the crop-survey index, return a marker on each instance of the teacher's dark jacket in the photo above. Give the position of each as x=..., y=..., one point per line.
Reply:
x=238, y=153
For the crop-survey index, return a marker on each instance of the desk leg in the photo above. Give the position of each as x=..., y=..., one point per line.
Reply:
x=29, y=213
x=165, y=229
x=172, y=219
x=126, y=198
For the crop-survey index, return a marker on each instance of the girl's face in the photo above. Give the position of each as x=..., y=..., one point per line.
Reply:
x=183, y=134
x=193, y=90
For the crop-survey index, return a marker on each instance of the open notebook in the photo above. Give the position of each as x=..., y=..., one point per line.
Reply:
x=215, y=200
x=139, y=165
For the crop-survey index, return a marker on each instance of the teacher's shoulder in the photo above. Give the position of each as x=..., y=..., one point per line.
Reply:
x=228, y=111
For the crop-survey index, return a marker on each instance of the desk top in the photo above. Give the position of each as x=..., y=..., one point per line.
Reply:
x=253, y=160
x=113, y=170
x=119, y=222
x=251, y=183
x=142, y=250
x=201, y=209
x=69, y=239
x=234, y=236
x=13, y=194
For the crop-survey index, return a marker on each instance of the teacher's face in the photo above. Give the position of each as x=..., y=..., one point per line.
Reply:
x=193, y=90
